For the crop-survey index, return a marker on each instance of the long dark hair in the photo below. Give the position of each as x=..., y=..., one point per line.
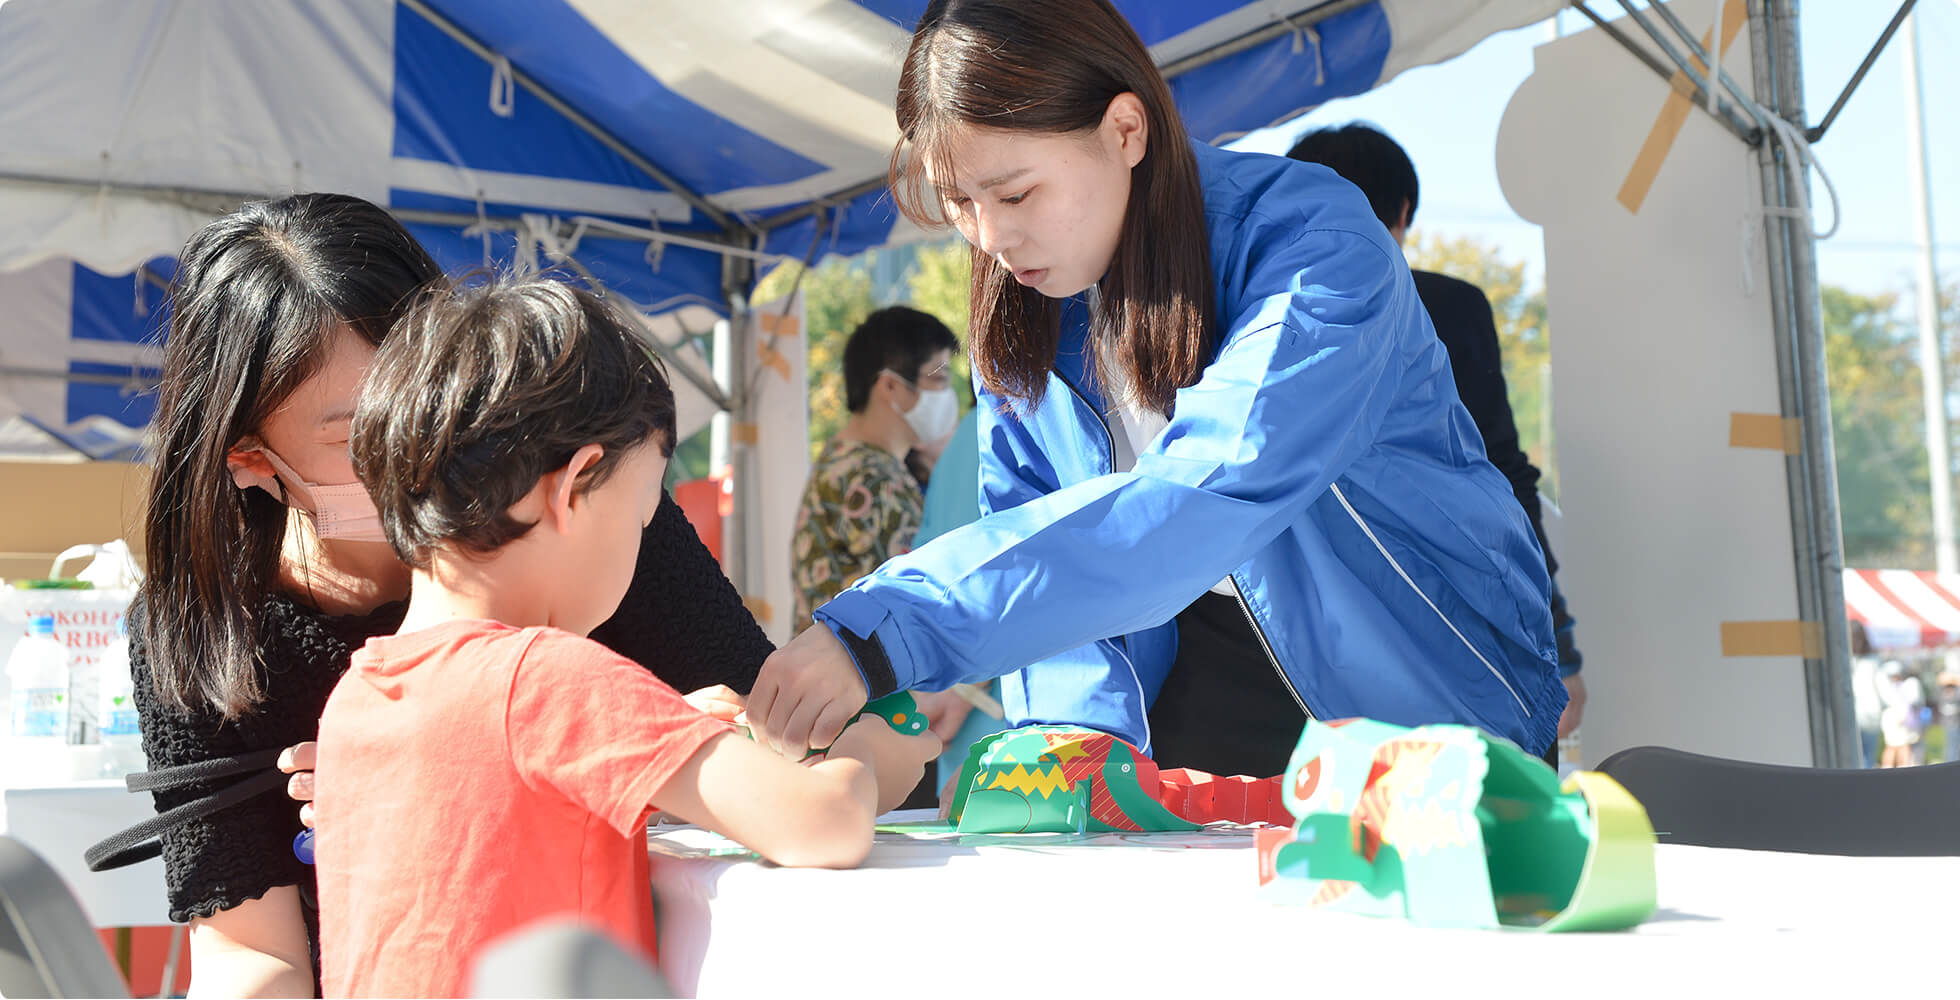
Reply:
x=1053, y=66
x=257, y=298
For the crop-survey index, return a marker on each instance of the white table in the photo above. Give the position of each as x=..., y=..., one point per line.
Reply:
x=60, y=821
x=1081, y=922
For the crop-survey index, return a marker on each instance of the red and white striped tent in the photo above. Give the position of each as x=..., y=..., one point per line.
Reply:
x=1903, y=608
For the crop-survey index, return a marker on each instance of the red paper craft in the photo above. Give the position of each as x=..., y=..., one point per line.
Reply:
x=1210, y=798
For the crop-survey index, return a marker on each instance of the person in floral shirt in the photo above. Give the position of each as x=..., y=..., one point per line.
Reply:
x=861, y=506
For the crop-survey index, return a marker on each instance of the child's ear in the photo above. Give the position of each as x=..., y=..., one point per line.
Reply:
x=562, y=498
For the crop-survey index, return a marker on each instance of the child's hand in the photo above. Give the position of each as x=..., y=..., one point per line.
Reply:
x=895, y=760
x=719, y=702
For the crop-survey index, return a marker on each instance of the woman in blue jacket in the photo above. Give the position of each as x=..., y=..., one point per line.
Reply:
x=1225, y=476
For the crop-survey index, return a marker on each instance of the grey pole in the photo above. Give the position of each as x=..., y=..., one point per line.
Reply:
x=737, y=537
x=1812, y=473
x=1932, y=357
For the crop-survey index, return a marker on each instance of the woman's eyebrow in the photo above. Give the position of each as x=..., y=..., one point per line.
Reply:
x=336, y=416
x=1002, y=179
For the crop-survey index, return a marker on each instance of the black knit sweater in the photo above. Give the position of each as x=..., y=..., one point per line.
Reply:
x=681, y=618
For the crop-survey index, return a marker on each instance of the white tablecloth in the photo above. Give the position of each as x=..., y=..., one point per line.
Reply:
x=1082, y=922
x=59, y=822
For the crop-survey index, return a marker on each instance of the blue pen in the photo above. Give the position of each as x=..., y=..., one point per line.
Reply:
x=303, y=846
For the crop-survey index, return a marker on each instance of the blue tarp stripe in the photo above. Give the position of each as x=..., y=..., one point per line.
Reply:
x=553, y=43
x=113, y=401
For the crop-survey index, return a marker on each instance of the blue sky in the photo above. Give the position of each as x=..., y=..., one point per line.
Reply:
x=1448, y=114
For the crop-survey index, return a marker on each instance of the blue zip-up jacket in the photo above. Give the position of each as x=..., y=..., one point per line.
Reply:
x=1323, y=462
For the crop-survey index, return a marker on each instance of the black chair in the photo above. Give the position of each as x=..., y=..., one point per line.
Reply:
x=559, y=958
x=47, y=948
x=1716, y=802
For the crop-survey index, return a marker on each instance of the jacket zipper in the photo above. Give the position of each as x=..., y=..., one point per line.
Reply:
x=1399, y=571
x=1258, y=632
x=1271, y=657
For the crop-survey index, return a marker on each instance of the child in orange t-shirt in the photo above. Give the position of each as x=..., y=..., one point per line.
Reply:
x=488, y=765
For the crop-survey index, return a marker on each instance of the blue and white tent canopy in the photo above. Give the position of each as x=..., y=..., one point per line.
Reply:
x=644, y=137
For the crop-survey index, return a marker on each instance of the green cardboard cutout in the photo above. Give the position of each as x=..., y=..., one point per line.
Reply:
x=898, y=709
x=1450, y=827
x=1059, y=779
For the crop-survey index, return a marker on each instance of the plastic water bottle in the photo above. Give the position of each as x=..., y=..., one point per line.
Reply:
x=122, y=742
x=37, y=717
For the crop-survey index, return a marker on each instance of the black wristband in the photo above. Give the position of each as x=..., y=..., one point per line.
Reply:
x=879, y=678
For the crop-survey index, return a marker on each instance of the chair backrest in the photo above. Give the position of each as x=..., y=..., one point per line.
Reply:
x=560, y=958
x=1716, y=802
x=47, y=948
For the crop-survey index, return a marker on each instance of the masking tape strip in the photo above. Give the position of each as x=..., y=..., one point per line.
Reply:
x=1773, y=638
x=744, y=433
x=1767, y=431
x=774, y=360
x=1674, y=114
x=778, y=325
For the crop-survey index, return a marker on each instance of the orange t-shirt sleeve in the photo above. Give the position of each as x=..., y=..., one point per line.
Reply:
x=598, y=728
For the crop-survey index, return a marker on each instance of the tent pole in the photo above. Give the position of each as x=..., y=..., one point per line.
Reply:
x=1613, y=31
x=133, y=381
x=739, y=555
x=216, y=203
x=1817, y=131
x=594, y=129
x=1710, y=100
x=1812, y=473
x=1710, y=62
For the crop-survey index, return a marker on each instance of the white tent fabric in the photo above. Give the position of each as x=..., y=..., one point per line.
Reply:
x=115, y=108
x=502, y=130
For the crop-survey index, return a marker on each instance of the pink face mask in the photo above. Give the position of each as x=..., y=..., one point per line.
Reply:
x=344, y=512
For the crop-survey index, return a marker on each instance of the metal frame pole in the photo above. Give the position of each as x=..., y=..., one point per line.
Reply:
x=1703, y=93
x=1932, y=355
x=1812, y=473
x=741, y=558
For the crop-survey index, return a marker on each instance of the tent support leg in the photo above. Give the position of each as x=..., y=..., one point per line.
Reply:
x=739, y=556
x=1812, y=473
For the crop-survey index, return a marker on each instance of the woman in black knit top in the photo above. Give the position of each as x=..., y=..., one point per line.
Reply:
x=257, y=594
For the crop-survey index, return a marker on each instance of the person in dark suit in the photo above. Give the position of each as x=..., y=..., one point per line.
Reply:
x=1375, y=163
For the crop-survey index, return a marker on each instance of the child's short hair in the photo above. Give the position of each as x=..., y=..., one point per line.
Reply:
x=481, y=390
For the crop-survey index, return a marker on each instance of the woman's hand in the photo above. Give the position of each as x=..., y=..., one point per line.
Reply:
x=719, y=702
x=1575, y=705
x=297, y=760
x=806, y=693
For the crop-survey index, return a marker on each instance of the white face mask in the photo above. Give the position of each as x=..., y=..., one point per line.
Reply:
x=936, y=412
x=344, y=511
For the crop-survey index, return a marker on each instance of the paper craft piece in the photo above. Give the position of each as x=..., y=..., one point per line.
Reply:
x=1451, y=827
x=1059, y=779
x=899, y=710
x=1211, y=798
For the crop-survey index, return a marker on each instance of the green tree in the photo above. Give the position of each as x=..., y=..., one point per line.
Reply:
x=1878, y=428
x=1522, y=336
x=938, y=285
